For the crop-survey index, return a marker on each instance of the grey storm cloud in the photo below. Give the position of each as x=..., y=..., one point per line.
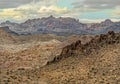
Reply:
x=14, y=3
x=96, y=4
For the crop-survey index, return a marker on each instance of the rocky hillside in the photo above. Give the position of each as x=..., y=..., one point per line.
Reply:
x=95, y=60
x=27, y=56
x=89, y=44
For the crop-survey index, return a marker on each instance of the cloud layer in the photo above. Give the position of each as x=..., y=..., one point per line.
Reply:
x=13, y=3
x=20, y=10
x=35, y=9
x=95, y=5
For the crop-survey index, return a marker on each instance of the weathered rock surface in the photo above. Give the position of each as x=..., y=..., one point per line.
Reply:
x=89, y=45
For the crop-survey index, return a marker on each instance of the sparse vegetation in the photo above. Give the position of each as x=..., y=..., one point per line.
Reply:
x=99, y=66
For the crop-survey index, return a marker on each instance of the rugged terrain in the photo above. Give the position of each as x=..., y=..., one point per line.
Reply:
x=47, y=25
x=61, y=26
x=86, y=59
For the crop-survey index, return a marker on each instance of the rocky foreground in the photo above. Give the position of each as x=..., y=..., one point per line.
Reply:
x=78, y=60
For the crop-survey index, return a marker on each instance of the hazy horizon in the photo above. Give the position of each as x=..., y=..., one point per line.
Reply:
x=81, y=21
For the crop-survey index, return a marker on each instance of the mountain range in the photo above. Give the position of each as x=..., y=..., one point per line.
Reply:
x=34, y=52
x=61, y=26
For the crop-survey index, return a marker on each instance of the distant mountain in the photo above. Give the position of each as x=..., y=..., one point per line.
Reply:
x=115, y=27
x=49, y=25
x=60, y=26
x=100, y=26
x=15, y=27
x=103, y=27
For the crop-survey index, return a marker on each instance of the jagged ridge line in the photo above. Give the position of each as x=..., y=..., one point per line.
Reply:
x=88, y=48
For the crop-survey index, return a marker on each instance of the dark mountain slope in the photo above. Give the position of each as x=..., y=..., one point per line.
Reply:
x=6, y=28
x=6, y=35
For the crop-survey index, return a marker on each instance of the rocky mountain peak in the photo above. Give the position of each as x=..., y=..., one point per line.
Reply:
x=51, y=17
x=8, y=22
x=107, y=22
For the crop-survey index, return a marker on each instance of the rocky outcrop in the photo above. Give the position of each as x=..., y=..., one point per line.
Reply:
x=77, y=48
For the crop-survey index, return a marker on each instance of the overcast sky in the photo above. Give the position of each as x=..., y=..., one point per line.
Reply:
x=85, y=10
